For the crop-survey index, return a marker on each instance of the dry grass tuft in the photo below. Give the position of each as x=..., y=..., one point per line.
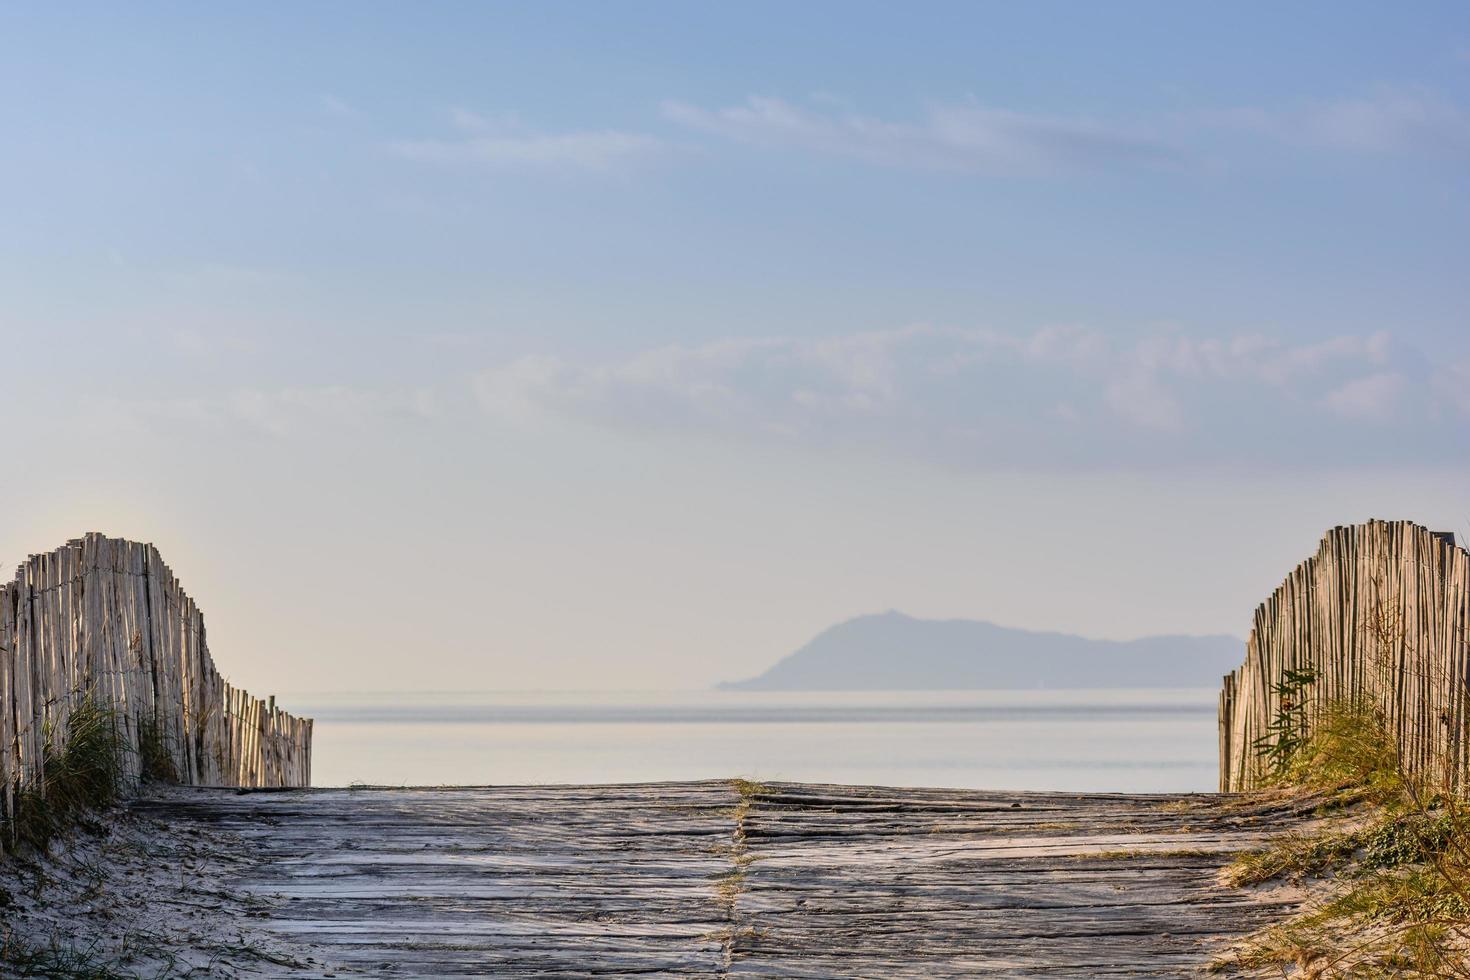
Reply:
x=155, y=751
x=1392, y=863
x=80, y=773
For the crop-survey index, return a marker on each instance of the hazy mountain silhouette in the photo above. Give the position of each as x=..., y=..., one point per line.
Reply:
x=892, y=651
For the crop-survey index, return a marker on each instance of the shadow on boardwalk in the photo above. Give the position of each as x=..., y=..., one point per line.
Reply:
x=693, y=879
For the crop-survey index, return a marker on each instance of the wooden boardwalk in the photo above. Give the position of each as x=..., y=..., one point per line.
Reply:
x=718, y=879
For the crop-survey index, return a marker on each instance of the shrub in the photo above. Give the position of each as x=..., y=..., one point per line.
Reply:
x=1350, y=749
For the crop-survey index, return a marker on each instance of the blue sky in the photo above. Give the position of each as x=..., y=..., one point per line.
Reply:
x=643, y=316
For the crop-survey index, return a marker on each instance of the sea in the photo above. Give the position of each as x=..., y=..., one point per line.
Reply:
x=1137, y=740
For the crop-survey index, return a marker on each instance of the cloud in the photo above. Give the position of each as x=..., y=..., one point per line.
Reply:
x=957, y=136
x=963, y=137
x=1452, y=387
x=504, y=143
x=280, y=412
x=1371, y=398
x=467, y=120
x=334, y=106
x=195, y=342
x=1392, y=120
x=1065, y=398
x=1388, y=119
x=1139, y=397
x=1059, y=397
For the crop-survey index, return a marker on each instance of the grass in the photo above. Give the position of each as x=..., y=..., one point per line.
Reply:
x=1392, y=858
x=1403, y=924
x=56, y=962
x=155, y=761
x=1143, y=853
x=1351, y=755
x=84, y=769
x=1292, y=855
x=748, y=790
x=80, y=773
x=730, y=884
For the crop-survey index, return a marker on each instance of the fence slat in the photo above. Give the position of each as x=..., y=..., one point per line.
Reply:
x=1380, y=612
x=105, y=618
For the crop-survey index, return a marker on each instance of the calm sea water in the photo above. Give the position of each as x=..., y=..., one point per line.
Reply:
x=1125, y=740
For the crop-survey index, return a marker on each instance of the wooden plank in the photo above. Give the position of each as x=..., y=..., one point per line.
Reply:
x=691, y=879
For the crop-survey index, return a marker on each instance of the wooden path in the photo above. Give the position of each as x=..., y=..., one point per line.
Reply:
x=720, y=879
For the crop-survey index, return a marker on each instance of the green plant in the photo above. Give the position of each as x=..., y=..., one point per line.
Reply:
x=57, y=962
x=1287, y=731
x=1410, y=838
x=1350, y=750
x=1394, y=859
x=1292, y=855
x=81, y=772
x=156, y=760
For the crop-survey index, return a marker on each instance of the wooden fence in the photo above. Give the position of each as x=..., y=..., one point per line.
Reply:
x=105, y=619
x=1379, y=614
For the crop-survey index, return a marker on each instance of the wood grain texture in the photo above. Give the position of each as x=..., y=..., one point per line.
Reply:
x=106, y=619
x=1380, y=612
x=719, y=879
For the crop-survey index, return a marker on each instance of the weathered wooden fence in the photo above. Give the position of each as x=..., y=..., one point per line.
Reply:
x=1379, y=614
x=105, y=619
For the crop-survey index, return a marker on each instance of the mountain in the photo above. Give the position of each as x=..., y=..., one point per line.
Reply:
x=891, y=651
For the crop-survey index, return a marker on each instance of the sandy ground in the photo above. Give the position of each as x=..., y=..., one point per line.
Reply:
x=127, y=896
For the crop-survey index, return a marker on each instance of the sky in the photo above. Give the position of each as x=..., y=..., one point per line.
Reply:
x=629, y=345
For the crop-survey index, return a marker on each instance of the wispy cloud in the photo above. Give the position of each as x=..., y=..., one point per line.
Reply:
x=1065, y=396
x=955, y=137
x=482, y=141
x=1372, y=398
x=1388, y=119
x=280, y=412
x=192, y=341
x=467, y=120
x=336, y=106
